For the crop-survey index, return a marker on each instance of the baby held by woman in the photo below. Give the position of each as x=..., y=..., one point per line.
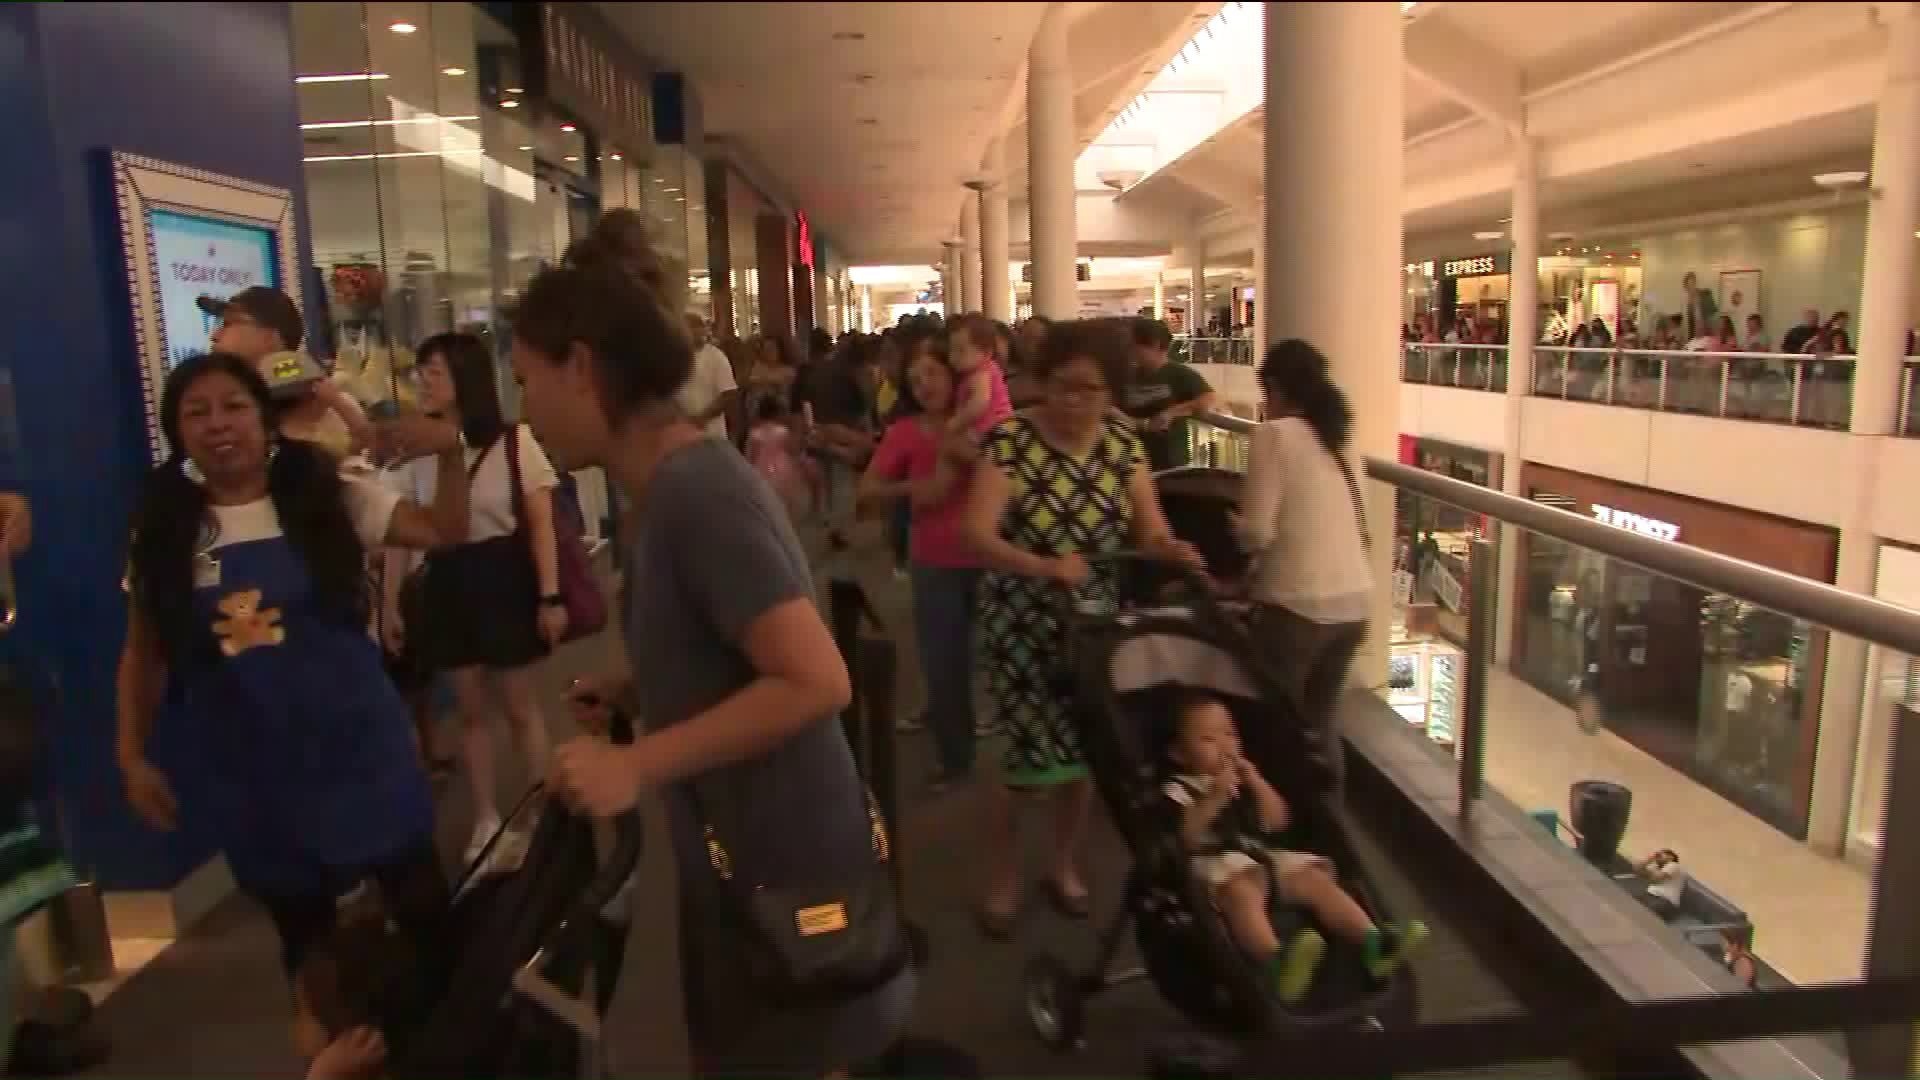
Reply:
x=1207, y=779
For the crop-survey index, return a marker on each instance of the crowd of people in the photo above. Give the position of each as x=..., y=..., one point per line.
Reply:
x=1704, y=329
x=1001, y=466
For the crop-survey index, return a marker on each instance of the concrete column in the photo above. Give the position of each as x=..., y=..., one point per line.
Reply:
x=1893, y=214
x=1523, y=329
x=1258, y=331
x=1197, y=288
x=1160, y=296
x=1051, y=146
x=1332, y=268
x=951, y=278
x=970, y=253
x=996, y=292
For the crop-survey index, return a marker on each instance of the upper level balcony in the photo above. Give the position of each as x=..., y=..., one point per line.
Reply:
x=1813, y=391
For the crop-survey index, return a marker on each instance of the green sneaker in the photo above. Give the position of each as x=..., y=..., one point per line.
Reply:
x=1388, y=946
x=1295, y=965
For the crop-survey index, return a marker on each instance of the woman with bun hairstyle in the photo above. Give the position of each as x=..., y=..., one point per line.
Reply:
x=729, y=662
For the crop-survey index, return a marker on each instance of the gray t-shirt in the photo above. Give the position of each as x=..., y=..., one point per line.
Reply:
x=713, y=550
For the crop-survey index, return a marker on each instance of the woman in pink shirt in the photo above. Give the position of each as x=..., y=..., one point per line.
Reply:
x=944, y=569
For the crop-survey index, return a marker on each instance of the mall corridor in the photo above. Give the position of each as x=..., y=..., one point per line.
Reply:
x=1564, y=356
x=214, y=1003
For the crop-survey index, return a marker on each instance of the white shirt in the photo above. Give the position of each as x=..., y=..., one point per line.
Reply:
x=489, y=498
x=1297, y=517
x=369, y=504
x=712, y=375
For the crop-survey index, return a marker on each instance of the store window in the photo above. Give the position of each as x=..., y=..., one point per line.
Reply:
x=1717, y=688
x=419, y=153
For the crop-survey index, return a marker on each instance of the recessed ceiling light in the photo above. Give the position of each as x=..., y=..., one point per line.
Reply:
x=509, y=103
x=618, y=157
x=1488, y=235
x=403, y=28
x=526, y=148
x=568, y=128
x=456, y=72
x=515, y=90
x=1845, y=178
x=571, y=157
x=358, y=76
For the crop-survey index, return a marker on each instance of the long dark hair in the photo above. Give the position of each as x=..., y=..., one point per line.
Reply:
x=174, y=521
x=613, y=294
x=475, y=393
x=1296, y=373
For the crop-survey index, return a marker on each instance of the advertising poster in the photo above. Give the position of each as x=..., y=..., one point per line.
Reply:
x=195, y=257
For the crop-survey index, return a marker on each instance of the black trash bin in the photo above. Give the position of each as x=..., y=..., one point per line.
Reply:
x=1599, y=810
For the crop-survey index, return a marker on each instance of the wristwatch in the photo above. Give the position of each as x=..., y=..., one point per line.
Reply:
x=553, y=600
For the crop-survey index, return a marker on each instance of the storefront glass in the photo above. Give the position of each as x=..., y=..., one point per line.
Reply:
x=1435, y=539
x=1717, y=688
x=423, y=197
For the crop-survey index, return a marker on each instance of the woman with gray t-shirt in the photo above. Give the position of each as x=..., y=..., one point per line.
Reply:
x=734, y=676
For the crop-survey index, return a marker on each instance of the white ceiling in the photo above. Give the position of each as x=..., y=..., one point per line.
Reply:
x=871, y=116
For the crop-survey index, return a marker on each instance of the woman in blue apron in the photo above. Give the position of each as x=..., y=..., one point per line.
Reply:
x=247, y=628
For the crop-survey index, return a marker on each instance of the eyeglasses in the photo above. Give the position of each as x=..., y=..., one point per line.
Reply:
x=1078, y=391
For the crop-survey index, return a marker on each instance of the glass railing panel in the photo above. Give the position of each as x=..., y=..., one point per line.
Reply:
x=1826, y=392
x=1416, y=364
x=1762, y=387
x=1214, y=350
x=1692, y=718
x=1468, y=367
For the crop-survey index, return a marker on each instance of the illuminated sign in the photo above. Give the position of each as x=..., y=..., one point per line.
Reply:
x=1645, y=526
x=1483, y=264
x=804, y=238
x=1419, y=269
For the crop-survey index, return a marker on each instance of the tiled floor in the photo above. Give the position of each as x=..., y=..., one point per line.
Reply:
x=1809, y=911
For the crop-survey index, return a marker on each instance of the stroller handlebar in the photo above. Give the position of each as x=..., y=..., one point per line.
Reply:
x=619, y=864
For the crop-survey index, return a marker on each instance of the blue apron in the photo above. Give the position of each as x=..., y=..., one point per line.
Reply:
x=304, y=770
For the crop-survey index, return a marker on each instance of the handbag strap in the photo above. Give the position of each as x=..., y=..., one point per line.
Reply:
x=722, y=862
x=1359, y=504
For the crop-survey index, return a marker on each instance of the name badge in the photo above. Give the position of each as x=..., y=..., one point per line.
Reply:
x=206, y=572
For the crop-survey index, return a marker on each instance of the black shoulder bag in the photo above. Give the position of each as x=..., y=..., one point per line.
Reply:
x=818, y=943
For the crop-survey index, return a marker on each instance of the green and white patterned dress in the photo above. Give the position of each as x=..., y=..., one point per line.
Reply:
x=1057, y=504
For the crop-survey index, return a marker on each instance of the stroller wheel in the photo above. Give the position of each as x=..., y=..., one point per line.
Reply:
x=1055, y=1003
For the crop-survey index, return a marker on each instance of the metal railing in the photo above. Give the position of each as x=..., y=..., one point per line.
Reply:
x=1466, y=367
x=1874, y=620
x=1211, y=350
x=1785, y=388
x=1781, y=388
x=1892, y=934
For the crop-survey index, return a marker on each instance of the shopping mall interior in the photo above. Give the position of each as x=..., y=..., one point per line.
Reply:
x=1652, y=275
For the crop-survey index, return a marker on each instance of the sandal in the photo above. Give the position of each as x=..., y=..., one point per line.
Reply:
x=1070, y=905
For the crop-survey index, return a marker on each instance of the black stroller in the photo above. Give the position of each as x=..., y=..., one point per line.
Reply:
x=531, y=957
x=1128, y=667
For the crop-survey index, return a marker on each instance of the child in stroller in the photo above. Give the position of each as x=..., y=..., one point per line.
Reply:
x=1226, y=809
x=1131, y=668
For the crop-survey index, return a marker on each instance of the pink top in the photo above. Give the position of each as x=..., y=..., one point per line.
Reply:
x=908, y=451
x=999, y=402
x=769, y=452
